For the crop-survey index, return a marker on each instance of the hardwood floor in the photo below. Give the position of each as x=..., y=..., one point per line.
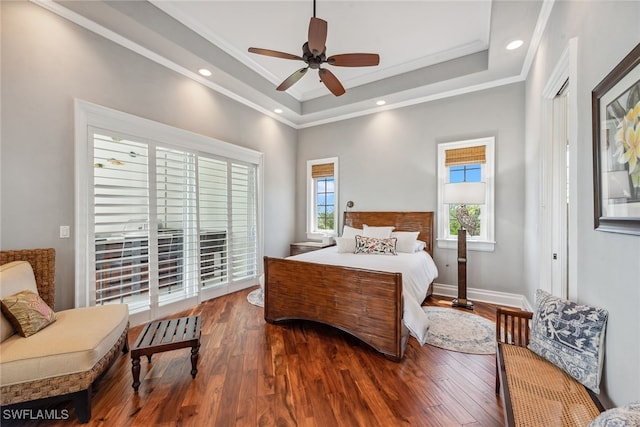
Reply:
x=251, y=373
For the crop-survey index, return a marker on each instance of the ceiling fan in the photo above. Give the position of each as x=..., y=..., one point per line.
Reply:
x=314, y=55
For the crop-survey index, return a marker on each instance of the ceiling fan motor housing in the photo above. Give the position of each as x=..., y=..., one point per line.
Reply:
x=314, y=61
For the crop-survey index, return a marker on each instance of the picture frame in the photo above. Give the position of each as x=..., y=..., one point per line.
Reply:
x=615, y=104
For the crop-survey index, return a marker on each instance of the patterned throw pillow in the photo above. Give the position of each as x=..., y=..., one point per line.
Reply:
x=27, y=312
x=570, y=336
x=626, y=416
x=372, y=245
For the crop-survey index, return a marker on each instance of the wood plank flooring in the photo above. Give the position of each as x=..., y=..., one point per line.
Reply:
x=251, y=373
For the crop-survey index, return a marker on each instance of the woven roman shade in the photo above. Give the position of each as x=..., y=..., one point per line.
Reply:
x=465, y=156
x=323, y=170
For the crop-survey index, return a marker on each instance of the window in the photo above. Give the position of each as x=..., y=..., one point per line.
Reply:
x=467, y=161
x=167, y=219
x=322, y=196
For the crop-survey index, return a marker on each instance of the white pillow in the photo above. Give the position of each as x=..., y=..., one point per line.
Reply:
x=346, y=244
x=377, y=232
x=351, y=232
x=406, y=240
x=419, y=246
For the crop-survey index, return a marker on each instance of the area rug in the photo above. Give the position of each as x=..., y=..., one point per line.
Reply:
x=256, y=297
x=460, y=331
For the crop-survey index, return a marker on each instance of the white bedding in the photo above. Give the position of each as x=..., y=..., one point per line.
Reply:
x=418, y=271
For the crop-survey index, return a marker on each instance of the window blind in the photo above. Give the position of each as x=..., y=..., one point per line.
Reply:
x=322, y=170
x=465, y=155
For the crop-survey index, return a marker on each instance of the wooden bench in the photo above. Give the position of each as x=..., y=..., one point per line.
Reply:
x=536, y=392
x=166, y=335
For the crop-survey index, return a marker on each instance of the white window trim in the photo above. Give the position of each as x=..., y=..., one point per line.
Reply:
x=474, y=243
x=87, y=116
x=313, y=234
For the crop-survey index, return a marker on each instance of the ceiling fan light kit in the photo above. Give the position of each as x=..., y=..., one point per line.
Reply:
x=314, y=55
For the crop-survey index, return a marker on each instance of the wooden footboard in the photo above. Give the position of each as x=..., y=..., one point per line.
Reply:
x=364, y=303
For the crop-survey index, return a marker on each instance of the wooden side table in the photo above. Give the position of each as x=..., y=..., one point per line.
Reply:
x=303, y=247
x=165, y=335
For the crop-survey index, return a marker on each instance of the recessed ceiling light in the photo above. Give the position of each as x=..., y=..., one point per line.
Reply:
x=381, y=102
x=514, y=44
x=204, y=72
x=278, y=110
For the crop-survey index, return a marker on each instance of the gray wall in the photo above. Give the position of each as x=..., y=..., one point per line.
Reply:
x=608, y=264
x=46, y=63
x=388, y=161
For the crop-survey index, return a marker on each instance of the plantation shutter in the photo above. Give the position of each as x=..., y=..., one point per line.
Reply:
x=121, y=220
x=465, y=156
x=167, y=222
x=244, y=237
x=322, y=170
x=214, y=219
x=177, y=224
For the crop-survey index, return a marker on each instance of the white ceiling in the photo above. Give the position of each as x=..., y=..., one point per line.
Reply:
x=428, y=49
x=406, y=35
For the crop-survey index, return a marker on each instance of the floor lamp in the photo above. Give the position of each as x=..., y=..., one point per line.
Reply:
x=461, y=194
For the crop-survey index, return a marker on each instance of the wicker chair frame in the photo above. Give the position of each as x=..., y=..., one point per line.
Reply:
x=77, y=386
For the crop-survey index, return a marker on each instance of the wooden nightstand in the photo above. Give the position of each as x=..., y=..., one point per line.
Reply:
x=302, y=247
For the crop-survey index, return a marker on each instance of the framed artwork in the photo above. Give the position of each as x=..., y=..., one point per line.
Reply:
x=615, y=104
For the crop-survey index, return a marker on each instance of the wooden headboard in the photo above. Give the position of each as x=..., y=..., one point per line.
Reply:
x=403, y=221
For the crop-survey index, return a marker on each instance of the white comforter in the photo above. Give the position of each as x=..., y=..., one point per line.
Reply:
x=418, y=271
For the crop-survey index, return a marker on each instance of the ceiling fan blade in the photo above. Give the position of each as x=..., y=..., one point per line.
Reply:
x=317, y=35
x=292, y=79
x=331, y=82
x=274, y=53
x=354, y=60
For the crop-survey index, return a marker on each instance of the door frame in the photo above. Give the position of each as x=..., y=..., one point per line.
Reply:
x=565, y=70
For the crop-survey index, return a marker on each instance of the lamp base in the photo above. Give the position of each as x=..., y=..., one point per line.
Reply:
x=462, y=302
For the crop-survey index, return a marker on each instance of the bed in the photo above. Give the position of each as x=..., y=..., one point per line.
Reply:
x=366, y=299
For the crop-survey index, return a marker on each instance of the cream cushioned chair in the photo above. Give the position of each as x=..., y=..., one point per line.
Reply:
x=64, y=358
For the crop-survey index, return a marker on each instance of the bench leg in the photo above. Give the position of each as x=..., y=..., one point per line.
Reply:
x=194, y=360
x=135, y=370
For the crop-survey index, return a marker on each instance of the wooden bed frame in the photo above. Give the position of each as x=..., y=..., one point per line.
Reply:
x=364, y=303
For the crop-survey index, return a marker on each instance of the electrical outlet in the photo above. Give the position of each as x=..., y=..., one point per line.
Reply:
x=65, y=231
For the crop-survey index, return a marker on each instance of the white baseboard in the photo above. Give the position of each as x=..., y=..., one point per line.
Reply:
x=483, y=295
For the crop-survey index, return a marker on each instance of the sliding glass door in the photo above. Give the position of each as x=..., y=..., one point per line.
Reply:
x=167, y=225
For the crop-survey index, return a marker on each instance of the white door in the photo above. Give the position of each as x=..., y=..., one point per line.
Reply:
x=560, y=196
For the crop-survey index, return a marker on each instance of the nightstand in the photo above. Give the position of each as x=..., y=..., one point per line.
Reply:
x=302, y=247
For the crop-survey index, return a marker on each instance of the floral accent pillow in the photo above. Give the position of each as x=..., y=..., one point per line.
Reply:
x=625, y=416
x=27, y=312
x=372, y=245
x=570, y=336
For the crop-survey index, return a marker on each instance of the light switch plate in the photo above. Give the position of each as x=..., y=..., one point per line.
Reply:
x=64, y=231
